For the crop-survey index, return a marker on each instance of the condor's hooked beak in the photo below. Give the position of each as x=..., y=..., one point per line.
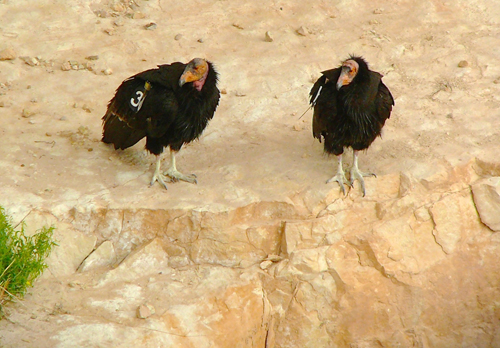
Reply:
x=196, y=71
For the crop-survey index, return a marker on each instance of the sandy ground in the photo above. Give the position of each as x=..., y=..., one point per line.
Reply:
x=440, y=60
x=256, y=148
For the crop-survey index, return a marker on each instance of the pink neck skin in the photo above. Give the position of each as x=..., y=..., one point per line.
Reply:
x=199, y=84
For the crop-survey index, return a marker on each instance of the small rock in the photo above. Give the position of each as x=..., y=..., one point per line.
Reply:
x=302, y=31
x=86, y=108
x=265, y=264
x=145, y=311
x=378, y=11
x=107, y=71
x=200, y=40
x=75, y=284
x=239, y=94
x=109, y=31
x=223, y=91
x=237, y=25
x=8, y=54
x=11, y=35
x=63, y=118
x=296, y=127
x=118, y=7
x=268, y=37
x=463, y=64
x=101, y=13
x=178, y=37
x=138, y=15
x=27, y=113
x=47, y=134
x=66, y=66
x=496, y=81
x=74, y=65
x=2, y=104
x=89, y=66
x=95, y=57
x=119, y=22
x=150, y=26
x=373, y=22
x=31, y=61
x=34, y=100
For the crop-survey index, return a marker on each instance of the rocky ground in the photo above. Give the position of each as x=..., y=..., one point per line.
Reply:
x=261, y=252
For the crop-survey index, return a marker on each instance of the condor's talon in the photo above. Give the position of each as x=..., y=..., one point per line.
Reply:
x=177, y=176
x=158, y=176
x=341, y=180
x=161, y=180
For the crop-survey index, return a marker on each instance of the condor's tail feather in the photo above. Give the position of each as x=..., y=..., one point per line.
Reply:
x=118, y=133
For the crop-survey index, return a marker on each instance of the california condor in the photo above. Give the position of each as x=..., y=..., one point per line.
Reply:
x=351, y=105
x=170, y=106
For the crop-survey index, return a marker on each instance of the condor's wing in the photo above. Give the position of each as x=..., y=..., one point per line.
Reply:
x=324, y=101
x=144, y=104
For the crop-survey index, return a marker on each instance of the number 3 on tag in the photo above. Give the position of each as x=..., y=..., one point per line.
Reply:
x=139, y=96
x=137, y=100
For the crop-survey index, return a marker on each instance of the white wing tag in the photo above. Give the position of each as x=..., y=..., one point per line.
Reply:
x=137, y=100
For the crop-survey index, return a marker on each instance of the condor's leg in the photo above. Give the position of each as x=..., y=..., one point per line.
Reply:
x=175, y=175
x=158, y=176
x=340, y=176
x=355, y=174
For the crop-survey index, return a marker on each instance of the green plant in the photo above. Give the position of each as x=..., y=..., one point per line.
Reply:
x=22, y=258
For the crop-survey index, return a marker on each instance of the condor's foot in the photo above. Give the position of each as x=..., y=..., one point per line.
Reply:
x=355, y=174
x=340, y=178
x=175, y=176
x=157, y=176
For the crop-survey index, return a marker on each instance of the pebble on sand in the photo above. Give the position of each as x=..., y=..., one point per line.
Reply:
x=268, y=37
x=31, y=61
x=145, y=311
x=302, y=31
x=8, y=54
x=66, y=66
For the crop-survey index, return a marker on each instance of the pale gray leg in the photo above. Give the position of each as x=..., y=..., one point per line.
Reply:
x=340, y=176
x=356, y=174
x=158, y=176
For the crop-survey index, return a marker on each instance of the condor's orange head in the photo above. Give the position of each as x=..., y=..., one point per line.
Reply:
x=196, y=71
x=348, y=72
